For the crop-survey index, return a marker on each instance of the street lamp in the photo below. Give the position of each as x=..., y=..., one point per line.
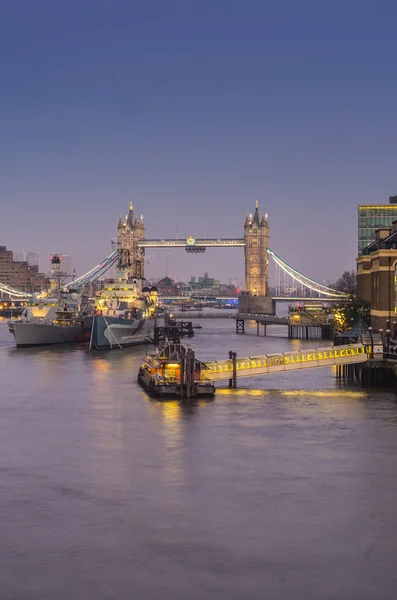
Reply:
x=372, y=341
x=388, y=338
x=381, y=336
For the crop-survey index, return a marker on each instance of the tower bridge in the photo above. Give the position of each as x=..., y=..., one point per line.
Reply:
x=132, y=243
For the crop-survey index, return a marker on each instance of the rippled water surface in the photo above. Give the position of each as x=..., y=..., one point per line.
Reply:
x=286, y=491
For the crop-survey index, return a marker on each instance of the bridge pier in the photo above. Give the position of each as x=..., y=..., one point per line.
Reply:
x=349, y=372
x=310, y=332
x=240, y=325
x=258, y=324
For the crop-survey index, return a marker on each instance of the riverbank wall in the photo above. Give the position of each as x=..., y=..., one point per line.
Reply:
x=373, y=374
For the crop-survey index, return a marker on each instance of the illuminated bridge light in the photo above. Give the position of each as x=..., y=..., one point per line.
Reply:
x=286, y=361
x=306, y=281
x=193, y=246
x=94, y=273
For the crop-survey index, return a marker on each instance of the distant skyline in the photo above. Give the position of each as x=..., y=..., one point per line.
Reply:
x=193, y=111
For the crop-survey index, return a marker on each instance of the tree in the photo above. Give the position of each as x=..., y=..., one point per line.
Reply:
x=347, y=313
x=346, y=283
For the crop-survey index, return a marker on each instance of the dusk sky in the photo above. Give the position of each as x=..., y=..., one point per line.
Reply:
x=192, y=111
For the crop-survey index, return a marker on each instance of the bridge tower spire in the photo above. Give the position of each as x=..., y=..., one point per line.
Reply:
x=256, y=239
x=131, y=258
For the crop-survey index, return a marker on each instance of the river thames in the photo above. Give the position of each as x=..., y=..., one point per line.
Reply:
x=286, y=490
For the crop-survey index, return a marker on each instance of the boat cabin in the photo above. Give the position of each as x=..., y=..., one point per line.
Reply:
x=166, y=365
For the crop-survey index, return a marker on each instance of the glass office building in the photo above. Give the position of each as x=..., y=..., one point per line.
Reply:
x=373, y=217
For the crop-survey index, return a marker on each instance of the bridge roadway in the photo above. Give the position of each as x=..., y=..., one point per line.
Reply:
x=207, y=297
x=287, y=361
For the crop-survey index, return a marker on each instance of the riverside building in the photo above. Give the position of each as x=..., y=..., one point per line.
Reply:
x=372, y=217
x=377, y=278
x=33, y=259
x=19, y=274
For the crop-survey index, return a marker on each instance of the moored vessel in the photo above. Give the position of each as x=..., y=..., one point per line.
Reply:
x=58, y=317
x=174, y=372
x=51, y=327
x=125, y=314
x=125, y=307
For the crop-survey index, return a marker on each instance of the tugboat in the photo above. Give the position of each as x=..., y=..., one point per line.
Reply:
x=174, y=372
x=126, y=309
x=58, y=317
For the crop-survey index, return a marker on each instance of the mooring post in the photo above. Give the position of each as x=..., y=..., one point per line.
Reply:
x=182, y=384
x=231, y=358
x=189, y=374
x=192, y=365
x=234, y=359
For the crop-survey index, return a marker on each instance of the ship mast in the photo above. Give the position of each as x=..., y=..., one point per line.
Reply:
x=56, y=275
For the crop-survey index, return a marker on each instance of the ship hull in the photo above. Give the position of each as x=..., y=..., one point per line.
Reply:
x=113, y=332
x=42, y=334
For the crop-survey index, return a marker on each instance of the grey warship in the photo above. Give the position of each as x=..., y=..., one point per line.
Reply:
x=125, y=307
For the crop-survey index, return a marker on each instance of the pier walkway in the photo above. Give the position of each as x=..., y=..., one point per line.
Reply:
x=263, y=319
x=286, y=361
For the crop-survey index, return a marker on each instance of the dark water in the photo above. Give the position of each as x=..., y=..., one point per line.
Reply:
x=287, y=493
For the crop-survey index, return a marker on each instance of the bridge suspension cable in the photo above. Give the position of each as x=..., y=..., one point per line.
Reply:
x=78, y=283
x=110, y=260
x=305, y=281
x=14, y=292
x=94, y=273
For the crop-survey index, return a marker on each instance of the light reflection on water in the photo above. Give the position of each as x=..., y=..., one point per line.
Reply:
x=282, y=489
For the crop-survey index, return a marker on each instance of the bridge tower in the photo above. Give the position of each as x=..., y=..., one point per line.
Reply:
x=256, y=238
x=130, y=232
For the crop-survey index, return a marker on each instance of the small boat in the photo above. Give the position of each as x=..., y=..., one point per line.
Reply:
x=174, y=372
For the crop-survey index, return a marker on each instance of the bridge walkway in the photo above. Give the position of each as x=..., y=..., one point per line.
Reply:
x=287, y=361
x=264, y=319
